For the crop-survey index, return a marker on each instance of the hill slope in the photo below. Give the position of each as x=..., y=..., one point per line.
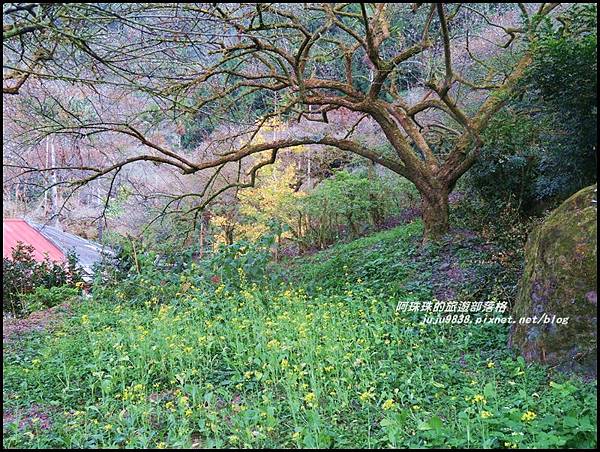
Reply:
x=323, y=360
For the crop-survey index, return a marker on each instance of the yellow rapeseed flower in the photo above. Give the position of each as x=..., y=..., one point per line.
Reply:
x=388, y=404
x=367, y=395
x=528, y=416
x=478, y=398
x=310, y=397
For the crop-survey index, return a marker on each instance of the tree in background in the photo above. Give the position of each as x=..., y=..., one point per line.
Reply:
x=542, y=148
x=563, y=80
x=431, y=76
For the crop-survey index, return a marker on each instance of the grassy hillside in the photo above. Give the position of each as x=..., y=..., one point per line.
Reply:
x=323, y=359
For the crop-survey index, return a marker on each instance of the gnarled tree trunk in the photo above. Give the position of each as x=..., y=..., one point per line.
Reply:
x=435, y=214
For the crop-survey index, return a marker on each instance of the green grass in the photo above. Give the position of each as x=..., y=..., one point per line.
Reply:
x=325, y=362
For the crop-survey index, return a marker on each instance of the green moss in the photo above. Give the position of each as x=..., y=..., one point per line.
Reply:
x=560, y=279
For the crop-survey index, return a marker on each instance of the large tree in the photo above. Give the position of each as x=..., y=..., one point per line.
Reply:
x=431, y=76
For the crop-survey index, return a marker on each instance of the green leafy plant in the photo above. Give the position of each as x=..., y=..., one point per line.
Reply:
x=43, y=298
x=22, y=274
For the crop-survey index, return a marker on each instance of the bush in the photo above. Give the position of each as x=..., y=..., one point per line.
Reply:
x=22, y=275
x=241, y=262
x=542, y=148
x=341, y=207
x=509, y=164
x=135, y=273
x=43, y=298
x=563, y=78
x=147, y=278
x=348, y=204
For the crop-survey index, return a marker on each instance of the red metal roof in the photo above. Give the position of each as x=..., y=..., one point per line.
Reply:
x=17, y=230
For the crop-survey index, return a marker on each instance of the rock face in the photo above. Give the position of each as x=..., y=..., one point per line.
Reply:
x=560, y=280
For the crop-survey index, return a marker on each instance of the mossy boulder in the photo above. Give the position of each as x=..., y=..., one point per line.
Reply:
x=560, y=281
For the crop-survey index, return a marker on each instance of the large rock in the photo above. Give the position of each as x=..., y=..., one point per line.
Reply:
x=560, y=280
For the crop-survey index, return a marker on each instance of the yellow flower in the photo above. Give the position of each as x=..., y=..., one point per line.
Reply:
x=367, y=395
x=284, y=363
x=528, y=416
x=188, y=412
x=416, y=407
x=486, y=414
x=108, y=427
x=478, y=398
x=85, y=319
x=310, y=397
x=170, y=406
x=161, y=445
x=273, y=343
x=388, y=404
x=491, y=364
x=295, y=436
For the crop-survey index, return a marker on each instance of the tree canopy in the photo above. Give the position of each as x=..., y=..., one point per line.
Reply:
x=430, y=77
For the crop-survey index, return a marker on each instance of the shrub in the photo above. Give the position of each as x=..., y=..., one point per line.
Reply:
x=147, y=278
x=136, y=273
x=542, y=148
x=347, y=204
x=241, y=262
x=42, y=297
x=340, y=207
x=22, y=275
x=508, y=166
